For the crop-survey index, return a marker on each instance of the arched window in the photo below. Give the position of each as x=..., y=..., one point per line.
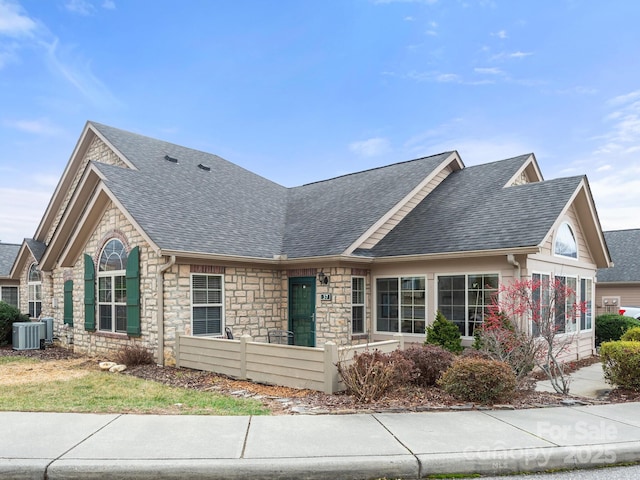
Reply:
x=112, y=287
x=566, y=245
x=34, y=283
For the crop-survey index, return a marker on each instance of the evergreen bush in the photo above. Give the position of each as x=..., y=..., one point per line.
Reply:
x=8, y=315
x=444, y=333
x=611, y=326
x=631, y=335
x=621, y=364
x=480, y=381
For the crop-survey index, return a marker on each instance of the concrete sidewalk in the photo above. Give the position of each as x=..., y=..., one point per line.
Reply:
x=412, y=445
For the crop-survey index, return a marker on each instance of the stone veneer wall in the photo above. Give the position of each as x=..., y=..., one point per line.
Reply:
x=98, y=151
x=253, y=302
x=333, y=317
x=113, y=224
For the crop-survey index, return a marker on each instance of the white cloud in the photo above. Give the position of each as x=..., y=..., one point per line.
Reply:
x=109, y=5
x=13, y=20
x=510, y=55
x=81, y=7
x=18, y=216
x=434, y=77
x=488, y=71
x=78, y=73
x=500, y=34
x=371, y=147
x=625, y=99
x=40, y=127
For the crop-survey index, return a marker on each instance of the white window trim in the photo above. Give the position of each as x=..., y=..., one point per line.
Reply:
x=33, y=284
x=466, y=275
x=363, y=305
x=399, y=277
x=2, y=287
x=577, y=294
x=113, y=274
x=593, y=301
x=575, y=238
x=221, y=304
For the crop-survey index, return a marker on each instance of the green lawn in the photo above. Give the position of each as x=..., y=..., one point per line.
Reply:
x=102, y=392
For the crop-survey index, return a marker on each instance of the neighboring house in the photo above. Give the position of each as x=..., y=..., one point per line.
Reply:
x=619, y=286
x=8, y=287
x=144, y=240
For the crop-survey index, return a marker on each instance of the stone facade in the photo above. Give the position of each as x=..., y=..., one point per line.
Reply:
x=113, y=225
x=98, y=151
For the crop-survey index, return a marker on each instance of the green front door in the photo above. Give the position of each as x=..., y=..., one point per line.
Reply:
x=302, y=308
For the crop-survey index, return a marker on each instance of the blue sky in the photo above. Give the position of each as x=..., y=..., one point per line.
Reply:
x=300, y=91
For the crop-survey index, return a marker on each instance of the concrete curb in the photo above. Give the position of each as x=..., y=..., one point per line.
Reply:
x=402, y=466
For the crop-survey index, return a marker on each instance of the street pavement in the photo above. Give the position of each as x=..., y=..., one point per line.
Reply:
x=387, y=445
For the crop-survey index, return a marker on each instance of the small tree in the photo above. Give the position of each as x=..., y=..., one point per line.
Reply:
x=539, y=311
x=444, y=333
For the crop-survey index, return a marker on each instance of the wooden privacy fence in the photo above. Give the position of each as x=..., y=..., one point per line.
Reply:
x=285, y=365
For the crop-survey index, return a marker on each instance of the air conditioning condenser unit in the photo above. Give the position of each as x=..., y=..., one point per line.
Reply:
x=26, y=335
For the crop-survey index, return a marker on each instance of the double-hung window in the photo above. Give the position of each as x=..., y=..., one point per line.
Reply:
x=34, y=286
x=112, y=287
x=9, y=295
x=541, y=295
x=400, y=305
x=206, y=304
x=464, y=299
x=357, y=305
x=565, y=314
x=586, y=298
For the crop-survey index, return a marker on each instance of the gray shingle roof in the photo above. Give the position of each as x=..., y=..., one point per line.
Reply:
x=624, y=246
x=8, y=254
x=227, y=210
x=37, y=248
x=325, y=218
x=231, y=211
x=470, y=210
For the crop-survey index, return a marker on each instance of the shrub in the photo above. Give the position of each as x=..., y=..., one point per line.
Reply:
x=611, y=326
x=478, y=380
x=372, y=374
x=430, y=361
x=134, y=354
x=9, y=315
x=631, y=335
x=444, y=333
x=499, y=339
x=621, y=363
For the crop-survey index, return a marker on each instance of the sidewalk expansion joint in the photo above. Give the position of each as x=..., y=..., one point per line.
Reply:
x=46, y=469
x=246, y=437
x=401, y=443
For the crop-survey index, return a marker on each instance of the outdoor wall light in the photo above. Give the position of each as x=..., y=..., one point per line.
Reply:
x=322, y=278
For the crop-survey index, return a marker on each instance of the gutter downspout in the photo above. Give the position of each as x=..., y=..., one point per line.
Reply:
x=160, y=307
x=511, y=258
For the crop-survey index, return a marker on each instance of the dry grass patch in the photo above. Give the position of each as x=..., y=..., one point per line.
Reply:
x=20, y=370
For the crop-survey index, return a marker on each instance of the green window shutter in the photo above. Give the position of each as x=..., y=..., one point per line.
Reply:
x=133, y=292
x=68, y=302
x=89, y=294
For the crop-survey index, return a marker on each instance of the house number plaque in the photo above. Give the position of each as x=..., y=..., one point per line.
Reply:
x=325, y=296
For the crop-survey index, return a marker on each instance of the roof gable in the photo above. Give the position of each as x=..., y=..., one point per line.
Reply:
x=472, y=210
x=325, y=218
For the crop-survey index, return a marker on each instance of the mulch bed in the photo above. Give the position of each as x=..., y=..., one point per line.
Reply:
x=285, y=401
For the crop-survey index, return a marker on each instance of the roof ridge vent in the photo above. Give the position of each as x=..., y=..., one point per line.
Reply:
x=170, y=159
x=206, y=168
